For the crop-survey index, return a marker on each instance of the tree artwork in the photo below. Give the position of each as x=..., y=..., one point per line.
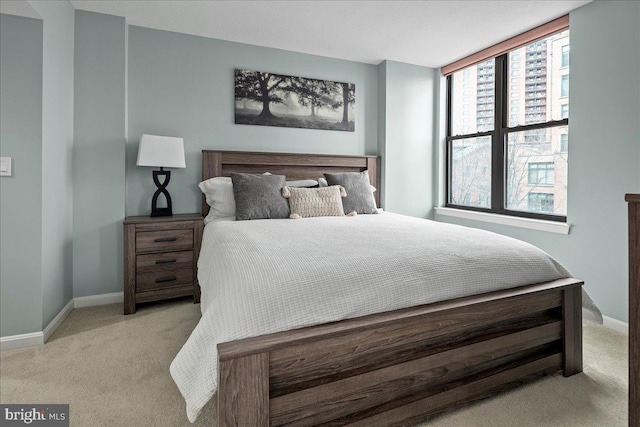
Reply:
x=270, y=99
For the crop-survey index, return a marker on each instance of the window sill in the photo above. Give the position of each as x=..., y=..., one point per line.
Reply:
x=514, y=221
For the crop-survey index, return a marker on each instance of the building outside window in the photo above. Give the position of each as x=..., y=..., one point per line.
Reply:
x=564, y=142
x=518, y=142
x=540, y=173
x=564, y=85
x=540, y=202
x=565, y=56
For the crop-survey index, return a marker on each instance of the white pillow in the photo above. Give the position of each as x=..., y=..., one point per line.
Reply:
x=303, y=183
x=218, y=192
x=322, y=182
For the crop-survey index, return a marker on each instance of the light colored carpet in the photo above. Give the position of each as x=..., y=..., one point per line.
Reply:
x=114, y=371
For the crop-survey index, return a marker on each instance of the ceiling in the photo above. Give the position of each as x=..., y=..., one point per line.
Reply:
x=428, y=33
x=19, y=8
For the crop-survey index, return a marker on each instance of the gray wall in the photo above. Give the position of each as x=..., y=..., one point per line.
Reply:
x=182, y=85
x=604, y=153
x=57, y=146
x=405, y=119
x=98, y=153
x=21, y=194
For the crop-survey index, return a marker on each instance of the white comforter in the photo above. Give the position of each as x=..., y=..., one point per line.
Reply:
x=266, y=276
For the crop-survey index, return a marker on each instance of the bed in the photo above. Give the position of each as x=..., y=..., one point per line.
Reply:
x=396, y=367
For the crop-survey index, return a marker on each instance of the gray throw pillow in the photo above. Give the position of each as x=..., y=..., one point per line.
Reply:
x=359, y=195
x=259, y=196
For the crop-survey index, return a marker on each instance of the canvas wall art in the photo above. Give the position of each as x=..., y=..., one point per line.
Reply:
x=270, y=99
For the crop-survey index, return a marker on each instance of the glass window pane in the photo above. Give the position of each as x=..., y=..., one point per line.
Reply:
x=476, y=94
x=471, y=172
x=544, y=87
x=564, y=62
x=537, y=171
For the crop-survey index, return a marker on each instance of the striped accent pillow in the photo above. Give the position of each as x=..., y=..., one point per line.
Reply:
x=312, y=202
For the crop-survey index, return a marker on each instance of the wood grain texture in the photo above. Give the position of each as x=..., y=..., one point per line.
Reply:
x=160, y=258
x=141, y=221
x=572, y=337
x=245, y=401
x=164, y=261
x=163, y=294
x=164, y=240
x=357, y=393
x=384, y=370
x=294, y=166
x=278, y=340
x=421, y=410
x=634, y=309
x=361, y=350
x=160, y=279
x=129, y=268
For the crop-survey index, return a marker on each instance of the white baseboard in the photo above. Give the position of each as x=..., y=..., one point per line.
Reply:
x=102, y=299
x=615, y=324
x=39, y=338
x=19, y=341
x=57, y=321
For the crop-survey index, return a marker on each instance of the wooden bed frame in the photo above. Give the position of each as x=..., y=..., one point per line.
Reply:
x=394, y=368
x=634, y=309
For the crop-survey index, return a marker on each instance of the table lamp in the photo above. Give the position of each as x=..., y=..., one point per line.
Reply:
x=162, y=152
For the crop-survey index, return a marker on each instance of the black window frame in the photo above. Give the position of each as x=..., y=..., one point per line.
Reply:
x=499, y=136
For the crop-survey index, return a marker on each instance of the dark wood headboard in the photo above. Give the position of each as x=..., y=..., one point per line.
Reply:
x=294, y=166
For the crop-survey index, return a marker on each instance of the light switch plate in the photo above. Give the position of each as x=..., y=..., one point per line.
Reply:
x=5, y=166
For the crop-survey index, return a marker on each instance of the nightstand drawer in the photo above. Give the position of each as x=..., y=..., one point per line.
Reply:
x=163, y=241
x=163, y=279
x=165, y=261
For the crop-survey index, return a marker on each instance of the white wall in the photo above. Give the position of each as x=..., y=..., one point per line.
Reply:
x=99, y=153
x=21, y=193
x=57, y=147
x=405, y=122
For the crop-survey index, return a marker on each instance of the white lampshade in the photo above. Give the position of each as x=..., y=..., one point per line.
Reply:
x=161, y=151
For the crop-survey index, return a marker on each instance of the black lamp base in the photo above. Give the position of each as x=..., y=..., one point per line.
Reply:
x=162, y=189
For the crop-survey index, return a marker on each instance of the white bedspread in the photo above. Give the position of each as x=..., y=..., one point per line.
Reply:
x=266, y=276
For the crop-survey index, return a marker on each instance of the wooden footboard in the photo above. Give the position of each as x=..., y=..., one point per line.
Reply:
x=404, y=366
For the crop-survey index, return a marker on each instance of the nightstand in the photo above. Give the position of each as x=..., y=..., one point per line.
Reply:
x=160, y=258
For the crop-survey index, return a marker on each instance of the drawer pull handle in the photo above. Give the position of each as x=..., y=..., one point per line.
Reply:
x=166, y=239
x=166, y=279
x=165, y=261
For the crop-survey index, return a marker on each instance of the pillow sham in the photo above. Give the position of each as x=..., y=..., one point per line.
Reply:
x=359, y=195
x=218, y=193
x=322, y=182
x=259, y=196
x=313, y=202
x=306, y=183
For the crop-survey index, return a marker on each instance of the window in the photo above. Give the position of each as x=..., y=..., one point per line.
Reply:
x=540, y=173
x=500, y=163
x=540, y=202
x=564, y=86
x=565, y=56
x=564, y=142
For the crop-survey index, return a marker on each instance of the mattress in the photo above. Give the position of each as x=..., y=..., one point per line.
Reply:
x=266, y=276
